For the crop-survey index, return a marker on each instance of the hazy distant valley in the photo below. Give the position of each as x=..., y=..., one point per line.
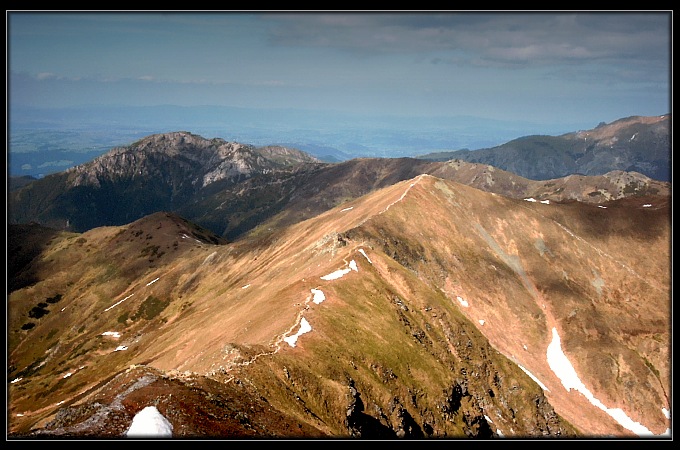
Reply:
x=44, y=141
x=254, y=289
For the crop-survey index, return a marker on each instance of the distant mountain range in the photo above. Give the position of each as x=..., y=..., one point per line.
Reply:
x=241, y=291
x=231, y=188
x=42, y=141
x=634, y=144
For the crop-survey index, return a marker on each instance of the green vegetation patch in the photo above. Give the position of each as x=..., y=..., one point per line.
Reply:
x=151, y=251
x=150, y=308
x=123, y=317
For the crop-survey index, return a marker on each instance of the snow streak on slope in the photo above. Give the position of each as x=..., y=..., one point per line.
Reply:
x=562, y=367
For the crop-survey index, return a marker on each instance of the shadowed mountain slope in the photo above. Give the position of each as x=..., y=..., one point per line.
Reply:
x=231, y=188
x=426, y=308
x=161, y=172
x=632, y=144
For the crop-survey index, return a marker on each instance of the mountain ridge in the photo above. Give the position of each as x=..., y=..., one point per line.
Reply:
x=258, y=292
x=213, y=159
x=231, y=188
x=637, y=143
x=393, y=348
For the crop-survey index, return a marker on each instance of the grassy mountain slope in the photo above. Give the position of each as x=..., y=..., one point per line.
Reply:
x=396, y=347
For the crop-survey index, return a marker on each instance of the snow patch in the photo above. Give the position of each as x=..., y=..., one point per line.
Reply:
x=560, y=364
x=361, y=250
x=184, y=236
x=113, y=334
x=305, y=327
x=318, y=296
x=462, y=301
x=341, y=272
x=116, y=304
x=149, y=422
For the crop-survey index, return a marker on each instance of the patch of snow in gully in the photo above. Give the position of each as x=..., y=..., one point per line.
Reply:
x=361, y=250
x=560, y=364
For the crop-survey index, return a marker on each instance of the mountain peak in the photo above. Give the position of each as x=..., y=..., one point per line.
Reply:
x=179, y=155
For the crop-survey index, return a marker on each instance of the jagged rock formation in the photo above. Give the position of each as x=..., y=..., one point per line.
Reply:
x=182, y=157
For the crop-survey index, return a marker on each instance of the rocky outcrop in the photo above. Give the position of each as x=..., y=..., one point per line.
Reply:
x=201, y=161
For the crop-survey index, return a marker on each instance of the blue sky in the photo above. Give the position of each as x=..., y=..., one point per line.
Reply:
x=548, y=67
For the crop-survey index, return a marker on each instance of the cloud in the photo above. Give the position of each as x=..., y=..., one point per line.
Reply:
x=410, y=63
x=45, y=76
x=484, y=38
